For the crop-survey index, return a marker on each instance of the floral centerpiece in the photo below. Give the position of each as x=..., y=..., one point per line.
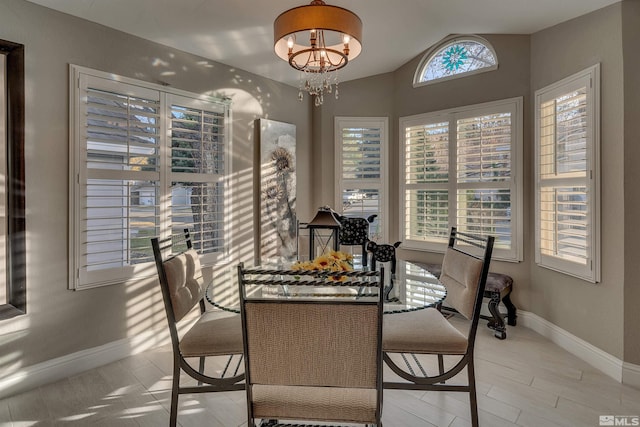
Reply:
x=333, y=261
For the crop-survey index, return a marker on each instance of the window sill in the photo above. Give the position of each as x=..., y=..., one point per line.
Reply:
x=7, y=311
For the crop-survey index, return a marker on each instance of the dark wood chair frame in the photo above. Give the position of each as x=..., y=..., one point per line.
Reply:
x=438, y=382
x=496, y=320
x=206, y=383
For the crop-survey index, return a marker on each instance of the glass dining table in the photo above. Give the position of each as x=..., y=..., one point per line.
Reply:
x=411, y=288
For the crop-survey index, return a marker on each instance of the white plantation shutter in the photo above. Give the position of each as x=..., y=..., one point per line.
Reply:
x=145, y=163
x=361, y=153
x=119, y=130
x=567, y=223
x=484, y=176
x=361, y=168
x=426, y=182
x=198, y=162
x=461, y=168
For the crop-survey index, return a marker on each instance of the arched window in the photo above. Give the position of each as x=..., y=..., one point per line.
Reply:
x=455, y=56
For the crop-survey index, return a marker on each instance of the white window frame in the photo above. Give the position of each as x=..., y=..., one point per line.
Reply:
x=381, y=184
x=589, y=79
x=511, y=105
x=80, y=278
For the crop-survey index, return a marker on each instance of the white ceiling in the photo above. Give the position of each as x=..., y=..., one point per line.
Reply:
x=239, y=33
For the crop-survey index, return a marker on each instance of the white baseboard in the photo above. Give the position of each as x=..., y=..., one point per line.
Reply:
x=631, y=374
x=599, y=359
x=56, y=369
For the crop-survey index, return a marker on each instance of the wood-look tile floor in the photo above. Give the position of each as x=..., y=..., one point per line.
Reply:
x=524, y=380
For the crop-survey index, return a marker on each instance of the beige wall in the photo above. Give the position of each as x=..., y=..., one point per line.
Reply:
x=393, y=95
x=511, y=79
x=370, y=97
x=593, y=312
x=60, y=321
x=631, y=306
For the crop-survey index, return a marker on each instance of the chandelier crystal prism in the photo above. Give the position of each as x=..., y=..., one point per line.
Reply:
x=317, y=40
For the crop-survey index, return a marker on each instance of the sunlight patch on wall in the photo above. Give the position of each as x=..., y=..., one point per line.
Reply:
x=242, y=101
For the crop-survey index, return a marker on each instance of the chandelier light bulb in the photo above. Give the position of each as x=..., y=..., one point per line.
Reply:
x=312, y=38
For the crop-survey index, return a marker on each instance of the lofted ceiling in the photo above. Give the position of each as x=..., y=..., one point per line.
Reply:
x=239, y=33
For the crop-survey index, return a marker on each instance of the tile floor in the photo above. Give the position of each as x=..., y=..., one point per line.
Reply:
x=524, y=380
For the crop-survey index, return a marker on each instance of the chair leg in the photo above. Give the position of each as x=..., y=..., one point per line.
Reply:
x=365, y=255
x=497, y=322
x=473, y=400
x=201, y=368
x=511, y=310
x=441, y=365
x=175, y=385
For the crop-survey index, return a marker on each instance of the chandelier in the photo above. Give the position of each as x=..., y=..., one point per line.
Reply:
x=317, y=39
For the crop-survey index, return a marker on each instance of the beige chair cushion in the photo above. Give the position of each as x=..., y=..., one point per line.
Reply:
x=213, y=335
x=355, y=405
x=461, y=274
x=186, y=285
x=423, y=332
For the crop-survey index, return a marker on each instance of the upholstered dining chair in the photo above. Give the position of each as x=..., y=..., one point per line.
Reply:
x=182, y=286
x=464, y=273
x=312, y=358
x=355, y=232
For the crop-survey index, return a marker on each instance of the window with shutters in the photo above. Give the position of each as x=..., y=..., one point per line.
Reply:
x=462, y=167
x=146, y=162
x=455, y=56
x=361, y=170
x=567, y=175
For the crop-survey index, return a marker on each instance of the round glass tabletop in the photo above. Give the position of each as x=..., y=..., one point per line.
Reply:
x=411, y=288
